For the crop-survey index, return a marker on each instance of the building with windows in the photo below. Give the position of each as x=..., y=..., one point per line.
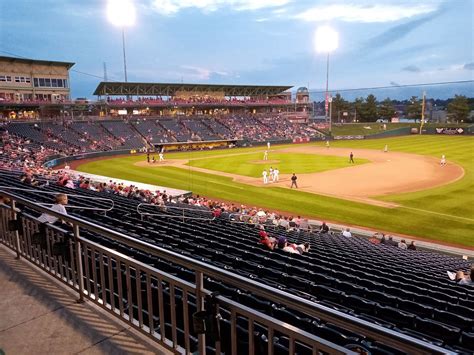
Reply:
x=26, y=83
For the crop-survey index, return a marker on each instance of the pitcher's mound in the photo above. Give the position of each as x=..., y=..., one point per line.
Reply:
x=264, y=161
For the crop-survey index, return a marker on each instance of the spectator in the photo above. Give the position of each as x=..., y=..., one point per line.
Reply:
x=347, y=233
x=296, y=249
x=402, y=244
x=282, y=242
x=324, y=228
x=412, y=246
x=391, y=242
x=374, y=239
x=58, y=206
x=462, y=278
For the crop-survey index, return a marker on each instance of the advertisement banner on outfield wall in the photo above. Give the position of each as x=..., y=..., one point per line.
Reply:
x=450, y=130
x=348, y=137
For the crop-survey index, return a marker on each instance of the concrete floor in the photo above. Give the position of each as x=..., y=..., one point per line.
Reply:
x=38, y=315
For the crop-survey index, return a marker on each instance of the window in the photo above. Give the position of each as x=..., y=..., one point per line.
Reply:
x=65, y=83
x=35, y=82
x=60, y=83
x=28, y=80
x=9, y=78
x=54, y=83
x=47, y=82
x=3, y=78
x=41, y=82
x=17, y=79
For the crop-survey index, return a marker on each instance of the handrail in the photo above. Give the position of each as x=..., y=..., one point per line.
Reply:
x=173, y=216
x=388, y=336
x=69, y=195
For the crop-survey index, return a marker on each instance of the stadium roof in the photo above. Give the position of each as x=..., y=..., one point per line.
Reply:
x=169, y=89
x=35, y=61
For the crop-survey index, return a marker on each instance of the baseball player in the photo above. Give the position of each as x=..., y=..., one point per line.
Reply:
x=293, y=181
x=271, y=174
x=443, y=160
x=162, y=158
x=276, y=172
x=385, y=149
x=351, y=158
x=268, y=145
x=265, y=155
x=265, y=177
x=327, y=144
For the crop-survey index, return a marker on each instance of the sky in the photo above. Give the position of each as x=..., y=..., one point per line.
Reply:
x=268, y=42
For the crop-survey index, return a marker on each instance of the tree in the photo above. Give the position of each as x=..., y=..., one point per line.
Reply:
x=369, y=109
x=458, y=109
x=413, y=109
x=386, y=109
x=339, y=105
x=358, y=108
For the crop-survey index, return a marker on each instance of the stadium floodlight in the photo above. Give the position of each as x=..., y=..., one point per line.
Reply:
x=121, y=13
x=326, y=40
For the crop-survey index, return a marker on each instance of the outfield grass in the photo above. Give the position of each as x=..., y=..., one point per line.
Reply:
x=252, y=165
x=444, y=213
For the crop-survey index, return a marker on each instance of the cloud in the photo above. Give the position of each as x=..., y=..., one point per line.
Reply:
x=412, y=69
x=170, y=7
x=468, y=66
x=393, y=83
x=365, y=13
x=198, y=73
x=399, y=31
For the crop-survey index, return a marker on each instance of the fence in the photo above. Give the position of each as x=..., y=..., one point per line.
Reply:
x=148, y=297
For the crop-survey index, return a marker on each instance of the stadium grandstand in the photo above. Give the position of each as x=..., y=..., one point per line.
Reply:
x=195, y=274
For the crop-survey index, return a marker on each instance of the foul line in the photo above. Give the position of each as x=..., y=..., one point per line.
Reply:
x=438, y=213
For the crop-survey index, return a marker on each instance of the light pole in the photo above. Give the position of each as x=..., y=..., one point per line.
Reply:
x=326, y=40
x=121, y=13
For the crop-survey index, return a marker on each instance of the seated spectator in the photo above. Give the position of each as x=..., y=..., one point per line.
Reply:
x=265, y=239
x=282, y=242
x=284, y=223
x=402, y=244
x=412, y=246
x=391, y=242
x=374, y=239
x=462, y=278
x=58, y=206
x=347, y=233
x=304, y=225
x=296, y=249
x=324, y=228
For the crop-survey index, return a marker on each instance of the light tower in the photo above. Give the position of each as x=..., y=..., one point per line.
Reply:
x=326, y=40
x=121, y=13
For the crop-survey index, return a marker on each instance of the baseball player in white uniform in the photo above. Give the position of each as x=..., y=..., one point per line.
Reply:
x=275, y=175
x=327, y=144
x=265, y=177
x=265, y=155
x=162, y=158
x=271, y=172
x=268, y=145
x=443, y=160
x=385, y=149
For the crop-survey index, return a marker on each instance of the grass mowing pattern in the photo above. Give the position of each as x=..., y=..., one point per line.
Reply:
x=453, y=200
x=251, y=164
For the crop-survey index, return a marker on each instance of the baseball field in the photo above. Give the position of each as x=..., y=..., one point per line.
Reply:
x=404, y=190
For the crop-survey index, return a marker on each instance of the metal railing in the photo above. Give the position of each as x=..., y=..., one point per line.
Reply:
x=54, y=193
x=181, y=216
x=158, y=303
